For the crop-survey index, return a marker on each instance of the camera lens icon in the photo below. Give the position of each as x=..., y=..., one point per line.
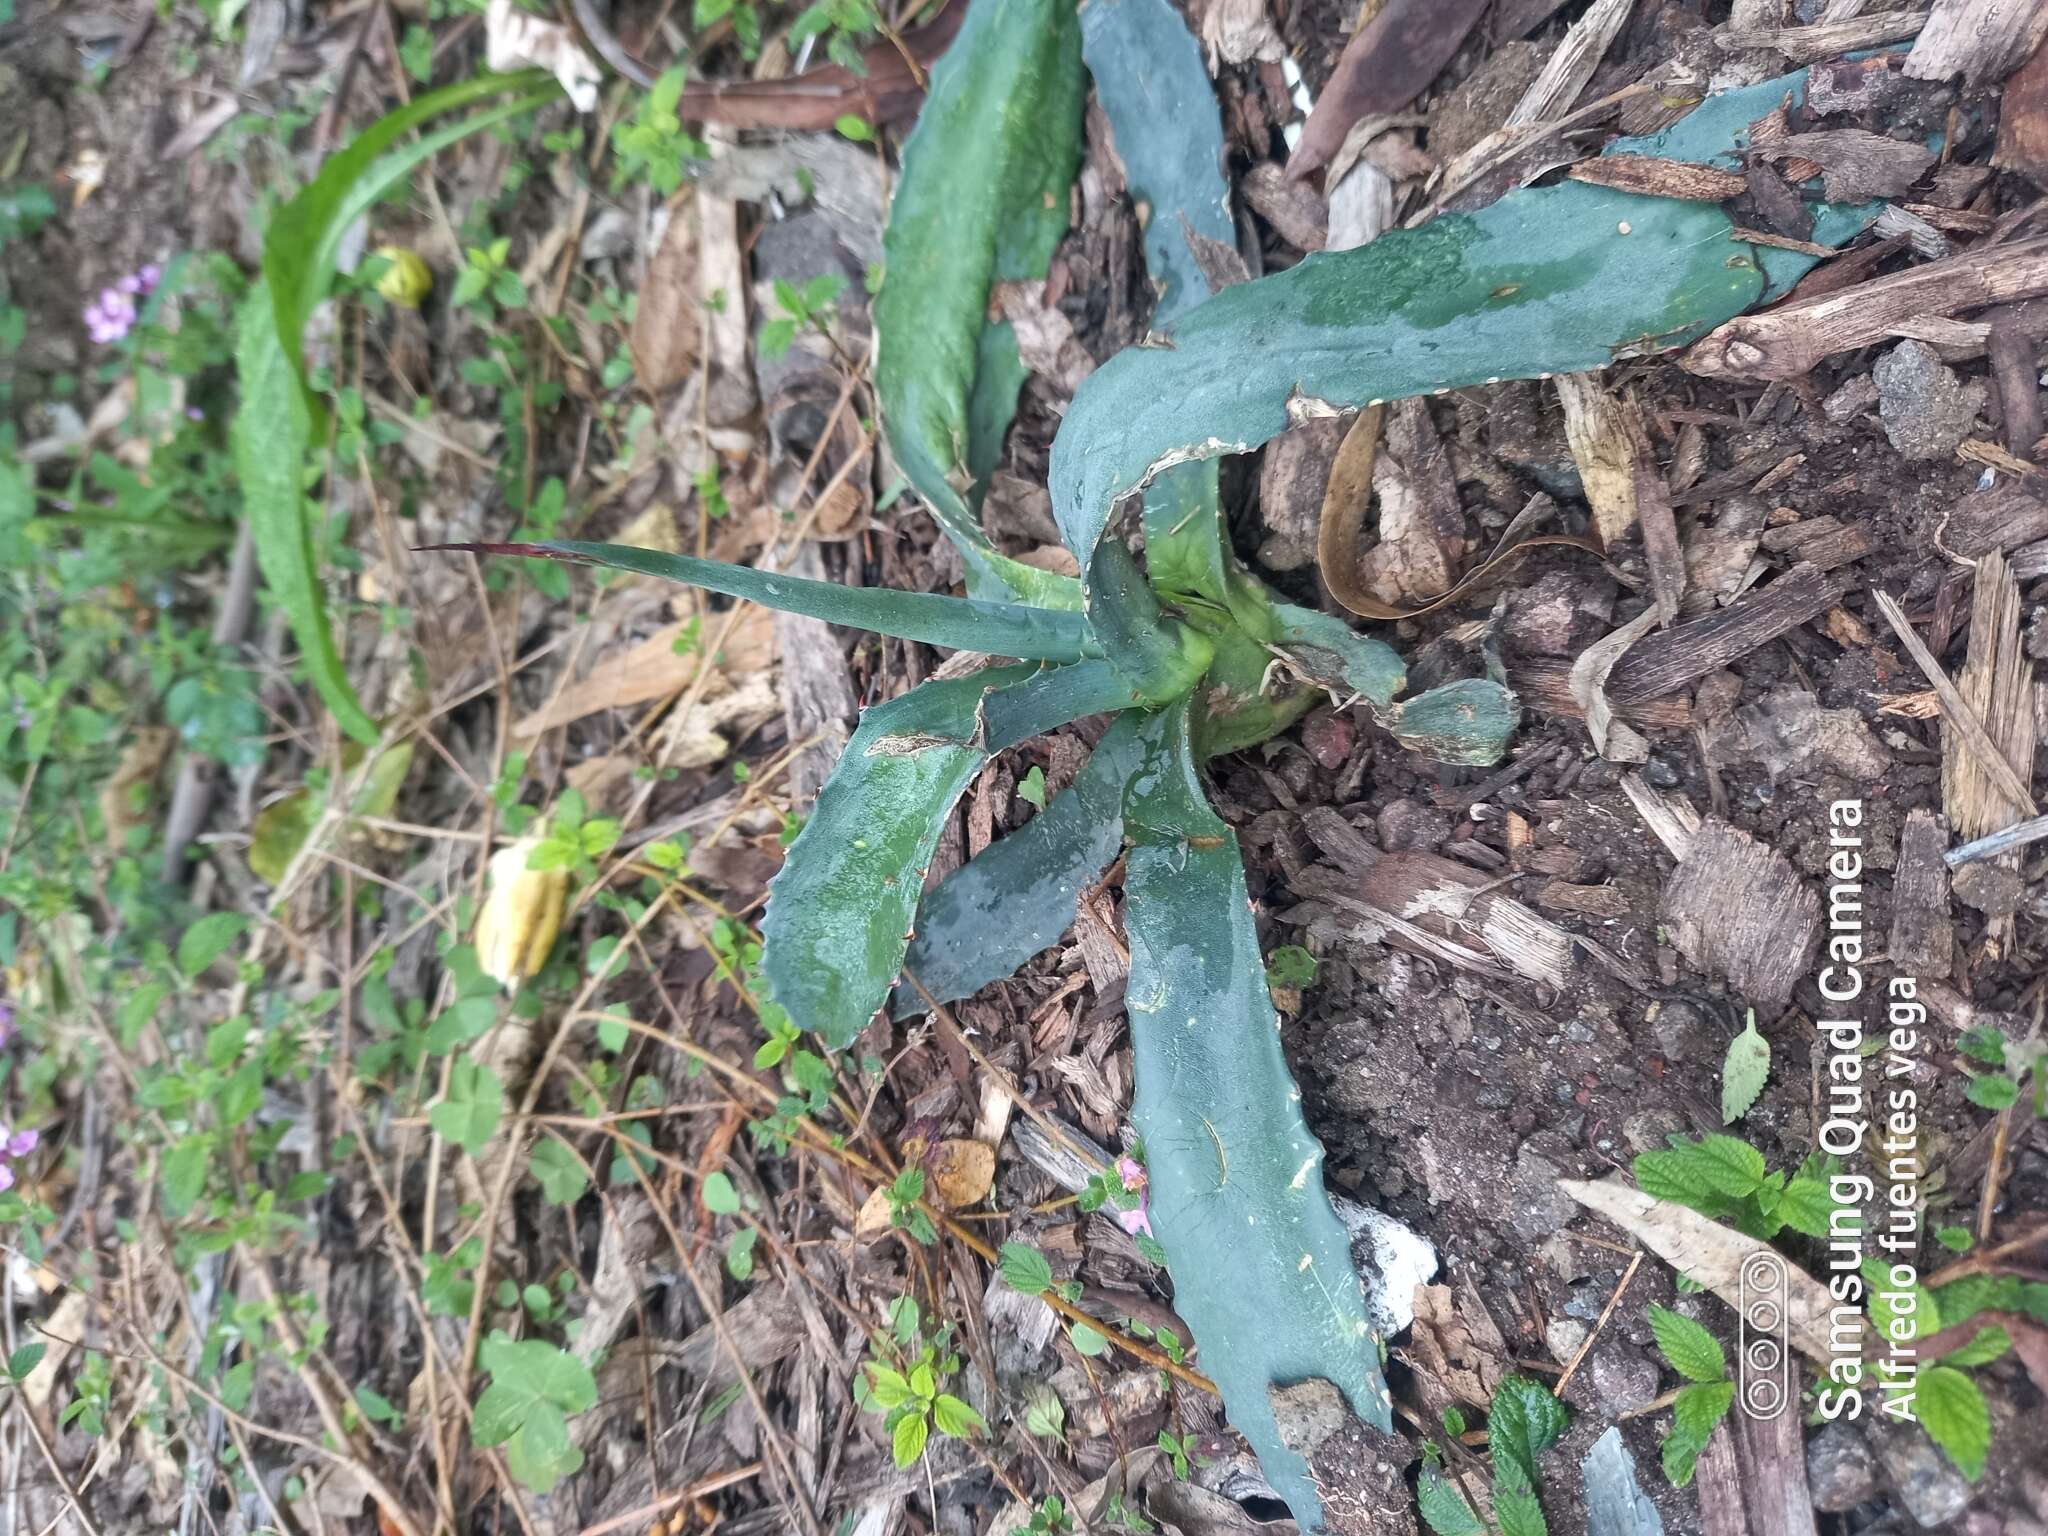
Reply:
x=1761, y=1356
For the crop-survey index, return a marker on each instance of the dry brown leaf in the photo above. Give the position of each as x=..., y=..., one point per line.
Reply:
x=653, y=669
x=1611, y=739
x=140, y=762
x=1454, y=1361
x=961, y=1171
x=1603, y=442
x=1713, y=1256
x=668, y=322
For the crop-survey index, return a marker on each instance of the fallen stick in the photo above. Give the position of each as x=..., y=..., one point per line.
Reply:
x=1785, y=343
x=1664, y=663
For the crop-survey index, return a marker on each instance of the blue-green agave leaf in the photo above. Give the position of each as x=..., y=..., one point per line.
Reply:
x=1546, y=280
x=1018, y=895
x=982, y=199
x=959, y=623
x=840, y=911
x=1261, y=1265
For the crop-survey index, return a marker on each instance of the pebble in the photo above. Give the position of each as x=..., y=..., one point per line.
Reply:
x=1563, y=1336
x=1840, y=1470
x=1927, y=411
x=1622, y=1377
x=1932, y=1491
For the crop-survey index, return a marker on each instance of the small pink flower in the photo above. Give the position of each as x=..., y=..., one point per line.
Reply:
x=1134, y=1221
x=149, y=276
x=21, y=1143
x=6, y=1177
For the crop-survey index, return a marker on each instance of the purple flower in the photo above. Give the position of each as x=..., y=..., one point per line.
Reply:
x=150, y=275
x=21, y=1143
x=111, y=316
x=7, y=1016
x=6, y=1177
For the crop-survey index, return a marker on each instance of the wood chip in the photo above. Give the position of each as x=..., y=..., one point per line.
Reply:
x=1808, y=45
x=1664, y=663
x=1569, y=69
x=1981, y=40
x=1921, y=940
x=1857, y=165
x=2023, y=119
x=1383, y=68
x=1737, y=908
x=1961, y=714
x=1660, y=178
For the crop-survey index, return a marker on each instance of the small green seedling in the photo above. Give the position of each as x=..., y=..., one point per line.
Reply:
x=1705, y=1399
x=1524, y=1422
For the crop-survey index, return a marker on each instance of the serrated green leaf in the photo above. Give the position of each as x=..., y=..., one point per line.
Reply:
x=1953, y=1412
x=1806, y=1206
x=1693, y=1352
x=1983, y=1044
x=1025, y=1269
x=1705, y=1174
x=1444, y=1509
x=907, y=1441
x=1898, y=1315
x=841, y=909
x=1517, y=1511
x=1214, y=1094
x=1018, y=895
x=561, y=1177
x=1985, y=1347
x=184, y=1171
x=1524, y=1422
x=886, y=1388
x=1955, y=1239
x=956, y=1418
x=1701, y=1406
x=982, y=197
x=959, y=623
x=1045, y=1416
x=24, y=1360
x=1960, y=1300
x=1743, y=1071
x=1545, y=280
x=1992, y=1090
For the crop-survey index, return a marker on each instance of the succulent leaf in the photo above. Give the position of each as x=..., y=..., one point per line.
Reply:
x=1546, y=280
x=961, y=624
x=1019, y=894
x=840, y=911
x=1261, y=1266
x=982, y=199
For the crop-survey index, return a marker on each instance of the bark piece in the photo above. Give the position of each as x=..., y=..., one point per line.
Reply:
x=2023, y=119
x=1856, y=164
x=2003, y=517
x=1660, y=178
x=1543, y=683
x=1296, y=211
x=1981, y=40
x=1788, y=341
x=1997, y=684
x=1738, y=909
x=1386, y=66
x=1666, y=662
x=1808, y=45
x=1569, y=69
x=1292, y=482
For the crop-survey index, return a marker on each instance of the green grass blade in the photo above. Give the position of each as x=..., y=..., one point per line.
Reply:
x=959, y=623
x=1261, y=1266
x=304, y=238
x=271, y=436
x=840, y=911
x=1547, y=280
x=982, y=199
x=1017, y=896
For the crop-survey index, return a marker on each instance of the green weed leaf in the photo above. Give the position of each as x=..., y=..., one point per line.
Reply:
x=1444, y=1509
x=908, y=1439
x=1955, y=1417
x=1985, y=1347
x=468, y=1113
x=535, y=1388
x=720, y=1197
x=1743, y=1072
x=1524, y=1422
x=561, y=1177
x=207, y=940
x=1227, y=1148
x=1693, y=1352
x=956, y=1418
x=1025, y=1270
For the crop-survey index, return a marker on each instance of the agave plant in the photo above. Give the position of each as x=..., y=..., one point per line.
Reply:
x=1192, y=653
